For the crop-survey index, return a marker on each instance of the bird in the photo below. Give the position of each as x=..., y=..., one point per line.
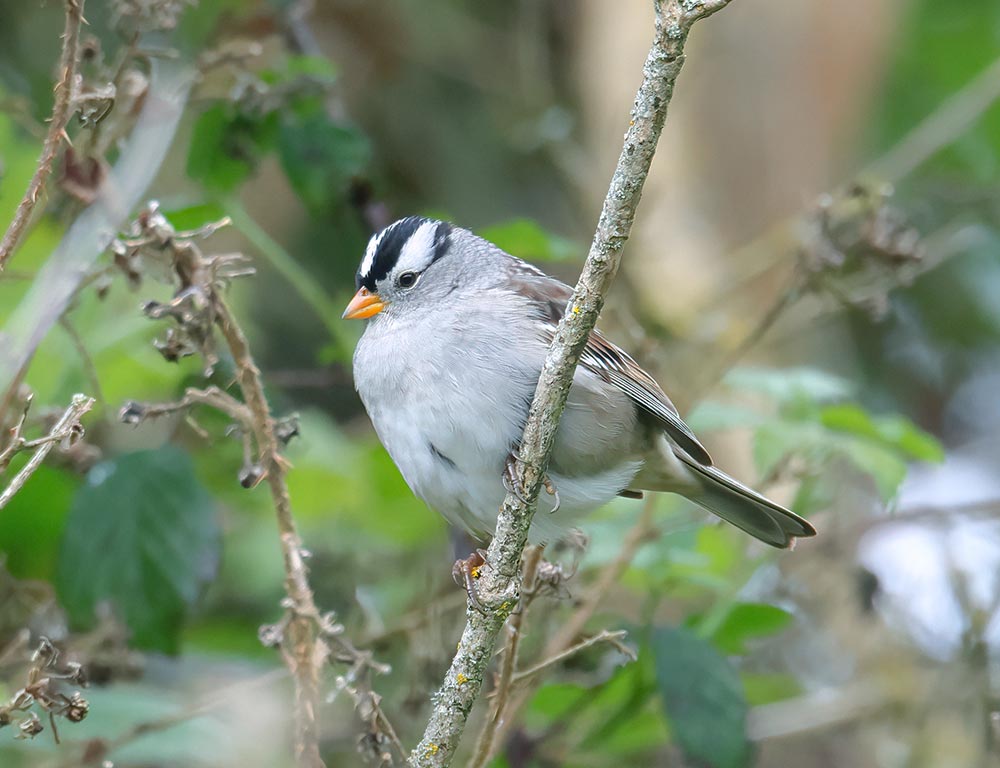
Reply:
x=456, y=336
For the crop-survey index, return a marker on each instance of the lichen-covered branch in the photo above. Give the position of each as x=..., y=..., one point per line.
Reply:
x=61, y=112
x=498, y=587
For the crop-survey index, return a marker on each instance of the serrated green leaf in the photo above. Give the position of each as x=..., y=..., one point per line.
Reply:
x=526, y=239
x=746, y=621
x=142, y=534
x=885, y=467
x=703, y=698
x=319, y=156
x=895, y=431
x=788, y=384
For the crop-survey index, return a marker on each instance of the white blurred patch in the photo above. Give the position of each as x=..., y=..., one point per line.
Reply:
x=939, y=562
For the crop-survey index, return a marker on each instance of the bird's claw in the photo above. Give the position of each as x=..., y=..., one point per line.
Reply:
x=512, y=486
x=510, y=481
x=552, y=491
x=465, y=572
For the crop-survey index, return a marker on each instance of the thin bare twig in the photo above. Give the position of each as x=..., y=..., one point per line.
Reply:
x=61, y=112
x=133, y=412
x=570, y=630
x=498, y=587
x=67, y=426
x=306, y=638
x=306, y=655
x=89, y=369
x=604, y=636
x=119, y=193
x=501, y=691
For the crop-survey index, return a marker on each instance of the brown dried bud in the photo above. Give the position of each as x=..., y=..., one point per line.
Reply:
x=132, y=413
x=77, y=708
x=30, y=727
x=251, y=475
x=287, y=428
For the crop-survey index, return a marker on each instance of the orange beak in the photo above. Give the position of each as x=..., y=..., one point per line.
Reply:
x=364, y=304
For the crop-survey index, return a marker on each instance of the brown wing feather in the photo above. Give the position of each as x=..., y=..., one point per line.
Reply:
x=610, y=362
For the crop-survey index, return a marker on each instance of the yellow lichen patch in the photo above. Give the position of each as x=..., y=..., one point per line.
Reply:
x=576, y=310
x=474, y=572
x=432, y=749
x=461, y=679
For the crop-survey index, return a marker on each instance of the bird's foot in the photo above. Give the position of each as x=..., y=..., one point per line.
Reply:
x=513, y=486
x=510, y=481
x=466, y=572
x=551, y=490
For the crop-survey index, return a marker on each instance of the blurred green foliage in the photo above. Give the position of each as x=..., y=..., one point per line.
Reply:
x=160, y=536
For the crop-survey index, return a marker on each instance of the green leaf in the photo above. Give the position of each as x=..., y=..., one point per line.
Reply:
x=196, y=215
x=885, y=467
x=775, y=440
x=894, y=431
x=142, y=534
x=227, y=145
x=319, y=156
x=787, y=385
x=703, y=698
x=815, y=492
x=746, y=621
x=526, y=239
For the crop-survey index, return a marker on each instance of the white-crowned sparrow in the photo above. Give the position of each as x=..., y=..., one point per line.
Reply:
x=447, y=367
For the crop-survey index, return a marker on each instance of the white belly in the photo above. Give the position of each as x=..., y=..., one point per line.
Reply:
x=451, y=447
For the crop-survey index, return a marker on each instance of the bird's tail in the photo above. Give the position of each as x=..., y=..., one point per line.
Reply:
x=742, y=506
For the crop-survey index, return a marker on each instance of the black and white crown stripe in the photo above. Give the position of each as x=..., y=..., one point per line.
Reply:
x=411, y=244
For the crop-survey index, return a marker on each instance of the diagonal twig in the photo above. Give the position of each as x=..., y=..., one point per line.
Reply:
x=66, y=427
x=487, y=737
x=61, y=112
x=498, y=588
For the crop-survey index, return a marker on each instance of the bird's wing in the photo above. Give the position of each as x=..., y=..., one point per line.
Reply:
x=607, y=360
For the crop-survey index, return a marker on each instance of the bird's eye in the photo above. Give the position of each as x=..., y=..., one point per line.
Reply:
x=407, y=280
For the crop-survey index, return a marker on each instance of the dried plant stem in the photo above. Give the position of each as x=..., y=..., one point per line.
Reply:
x=639, y=534
x=501, y=691
x=564, y=643
x=68, y=424
x=604, y=636
x=61, y=111
x=304, y=653
x=498, y=587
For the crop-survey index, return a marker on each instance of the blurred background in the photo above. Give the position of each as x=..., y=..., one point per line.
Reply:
x=813, y=276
